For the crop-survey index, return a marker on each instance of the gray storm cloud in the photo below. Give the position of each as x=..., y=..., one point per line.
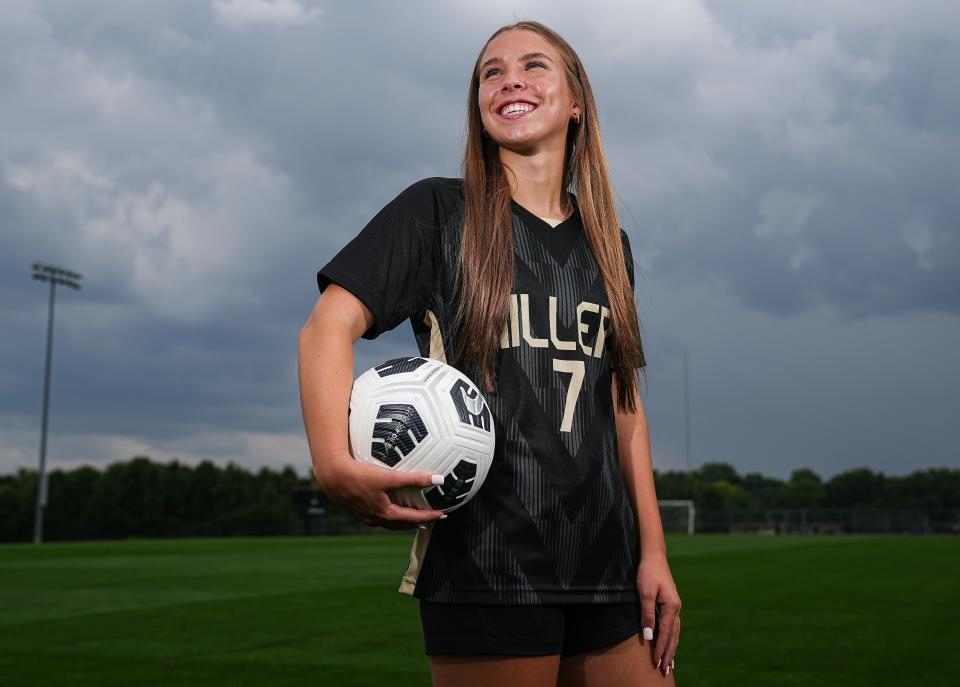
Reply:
x=787, y=174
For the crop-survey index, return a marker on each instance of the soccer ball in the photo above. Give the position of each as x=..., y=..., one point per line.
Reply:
x=418, y=413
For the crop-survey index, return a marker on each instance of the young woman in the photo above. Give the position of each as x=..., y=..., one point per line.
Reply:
x=556, y=572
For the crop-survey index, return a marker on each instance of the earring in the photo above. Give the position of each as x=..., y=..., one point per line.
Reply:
x=576, y=118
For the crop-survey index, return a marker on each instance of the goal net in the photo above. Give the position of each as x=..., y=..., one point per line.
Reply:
x=677, y=515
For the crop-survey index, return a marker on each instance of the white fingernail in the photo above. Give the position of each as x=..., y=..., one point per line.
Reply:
x=443, y=517
x=648, y=633
x=421, y=527
x=658, y=662
x=668, y=671
x=437, y=479
x=672, y=664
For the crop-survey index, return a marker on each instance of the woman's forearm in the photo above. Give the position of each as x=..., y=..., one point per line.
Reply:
x=636, y=466
x=326, y=380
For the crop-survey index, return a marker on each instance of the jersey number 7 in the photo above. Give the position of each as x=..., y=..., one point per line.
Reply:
x=576, y=370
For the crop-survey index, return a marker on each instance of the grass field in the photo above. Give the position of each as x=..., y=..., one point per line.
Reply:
x=792, y=610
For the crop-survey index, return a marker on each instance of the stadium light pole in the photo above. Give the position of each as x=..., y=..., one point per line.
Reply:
x=54, y=275
x=686, y=404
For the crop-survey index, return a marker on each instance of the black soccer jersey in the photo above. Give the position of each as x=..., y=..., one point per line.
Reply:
x=553, y=522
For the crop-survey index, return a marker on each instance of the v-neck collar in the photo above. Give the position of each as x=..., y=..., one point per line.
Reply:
x=558, y=240
x=573, y=199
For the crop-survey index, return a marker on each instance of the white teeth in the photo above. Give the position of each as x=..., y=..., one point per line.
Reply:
x=513, y=108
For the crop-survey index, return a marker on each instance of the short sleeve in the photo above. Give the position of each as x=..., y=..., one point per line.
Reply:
x=627, y=256
x=389, y=265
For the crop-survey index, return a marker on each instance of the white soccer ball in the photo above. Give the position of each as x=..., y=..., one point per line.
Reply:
x=418, y=413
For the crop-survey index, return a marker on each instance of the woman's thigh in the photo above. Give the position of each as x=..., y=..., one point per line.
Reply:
x=494, y=671
x=625, y=664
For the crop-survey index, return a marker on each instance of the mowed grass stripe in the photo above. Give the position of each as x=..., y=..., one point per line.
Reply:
x=116, y=576
x=844, y=611
x=281, y=611
x=273, y=639
x=64, y=579
x=757, y=610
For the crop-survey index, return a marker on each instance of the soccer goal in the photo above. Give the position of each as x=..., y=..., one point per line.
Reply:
x=677, y=515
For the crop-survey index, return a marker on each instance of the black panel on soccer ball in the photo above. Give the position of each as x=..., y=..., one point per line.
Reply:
x=470, y=406
x=394, y=426
x=455, y=486
x=398, y=365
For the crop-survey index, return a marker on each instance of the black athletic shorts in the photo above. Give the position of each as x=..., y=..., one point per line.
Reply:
x=526, y=630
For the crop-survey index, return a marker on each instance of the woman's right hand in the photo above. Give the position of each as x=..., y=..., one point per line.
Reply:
x=362, y=490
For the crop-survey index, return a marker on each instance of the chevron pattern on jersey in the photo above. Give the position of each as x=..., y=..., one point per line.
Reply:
x=570, y=474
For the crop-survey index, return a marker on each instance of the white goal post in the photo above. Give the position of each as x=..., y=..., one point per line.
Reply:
x=681, y=503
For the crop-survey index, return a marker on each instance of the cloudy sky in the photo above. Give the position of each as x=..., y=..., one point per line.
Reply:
x=788, y=174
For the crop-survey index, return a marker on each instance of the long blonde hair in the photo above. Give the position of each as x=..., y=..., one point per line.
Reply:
x=485, y=270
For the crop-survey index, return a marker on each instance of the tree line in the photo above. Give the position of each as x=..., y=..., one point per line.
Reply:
x=144, y=498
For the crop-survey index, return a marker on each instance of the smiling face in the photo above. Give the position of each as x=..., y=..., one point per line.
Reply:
x=521, y=67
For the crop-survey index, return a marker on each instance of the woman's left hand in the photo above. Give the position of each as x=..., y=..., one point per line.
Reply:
x=655, y=584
